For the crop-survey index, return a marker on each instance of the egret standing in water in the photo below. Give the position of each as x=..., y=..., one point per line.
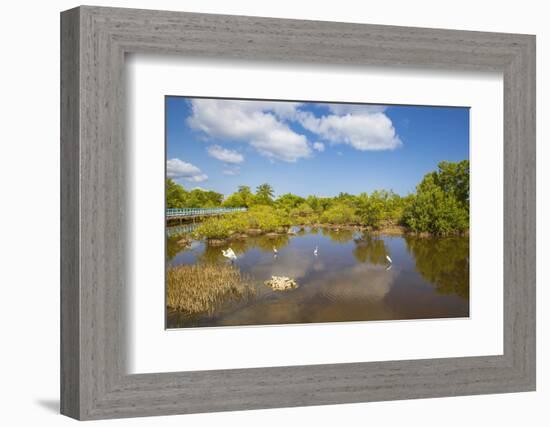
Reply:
x=229, y=254
x=316, y=251
x=389, y=259
x=275, y=251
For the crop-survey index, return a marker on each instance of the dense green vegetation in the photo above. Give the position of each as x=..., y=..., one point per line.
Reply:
x=439, y=206
x=441, y=203
x=178, y=197
x=259, y=218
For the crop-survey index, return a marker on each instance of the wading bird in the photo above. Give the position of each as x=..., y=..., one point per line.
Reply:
x=275, y=251
x=316, y=251
x=389, y=259
x=229, y=254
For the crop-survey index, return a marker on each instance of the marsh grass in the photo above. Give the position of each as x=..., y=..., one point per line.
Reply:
x=204, y=288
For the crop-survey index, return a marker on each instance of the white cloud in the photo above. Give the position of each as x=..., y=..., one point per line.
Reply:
x=176, y=168
x=365, y=131
x=225, y=155
x=258, y=123
x=319, y=146
x=343, y=109
x=265, y=126
x=198, y=178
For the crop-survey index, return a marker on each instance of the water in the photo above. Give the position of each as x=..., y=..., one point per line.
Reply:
x=349, y=280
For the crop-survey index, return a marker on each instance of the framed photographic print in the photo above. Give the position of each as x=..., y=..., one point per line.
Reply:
x=261, y=213
x=254, y=239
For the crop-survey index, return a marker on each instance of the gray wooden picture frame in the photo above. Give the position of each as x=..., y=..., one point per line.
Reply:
x=94, y=381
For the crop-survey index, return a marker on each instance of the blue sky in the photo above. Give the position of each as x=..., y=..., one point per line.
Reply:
x=309, y=148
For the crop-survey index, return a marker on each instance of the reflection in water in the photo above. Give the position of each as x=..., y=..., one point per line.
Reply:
x=370, y=249
x=443, y=262
x=267, y=243
x=172, y=247
x=338, y=235
x=348, y=280
x=213, y=254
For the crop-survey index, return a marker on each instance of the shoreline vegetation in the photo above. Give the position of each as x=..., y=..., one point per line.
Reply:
x=438, y=207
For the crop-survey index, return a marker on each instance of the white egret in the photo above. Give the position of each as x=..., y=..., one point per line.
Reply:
x=275, y=251
x=316, y=251
x=389, y=259
x=229, y=254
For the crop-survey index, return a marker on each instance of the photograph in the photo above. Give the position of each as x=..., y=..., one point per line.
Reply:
x=299, y=212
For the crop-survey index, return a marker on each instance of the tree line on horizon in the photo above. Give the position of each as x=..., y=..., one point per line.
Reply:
x=440, y=204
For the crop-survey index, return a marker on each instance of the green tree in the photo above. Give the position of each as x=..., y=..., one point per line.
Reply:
x=454, y=178
x=198, y=198
x=394, y=206
x=264, y=194
x=243, y=197
x=345, y=198
x=244, y=190
x=319, y=204
x=302, y=214
x=435, y=210
x=289, y=201
x=340, y=213
x=176, y=196
x=315, y=203
x=378, y=207
x=371, y=208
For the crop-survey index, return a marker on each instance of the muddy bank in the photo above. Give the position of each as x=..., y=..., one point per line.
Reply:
x=384, y=230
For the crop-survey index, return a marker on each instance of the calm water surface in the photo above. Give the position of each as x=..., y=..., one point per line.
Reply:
x=349, y=279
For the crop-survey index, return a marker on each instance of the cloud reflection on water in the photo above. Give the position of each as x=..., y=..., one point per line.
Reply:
x=348, y=280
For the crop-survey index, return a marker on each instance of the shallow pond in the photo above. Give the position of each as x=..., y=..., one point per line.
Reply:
x=349, y=279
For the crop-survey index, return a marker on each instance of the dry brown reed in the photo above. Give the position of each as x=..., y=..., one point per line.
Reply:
x=202, y=288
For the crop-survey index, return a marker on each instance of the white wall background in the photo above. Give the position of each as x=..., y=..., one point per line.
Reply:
x=29, y=244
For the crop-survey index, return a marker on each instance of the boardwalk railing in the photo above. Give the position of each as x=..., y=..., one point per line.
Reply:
x=198, y=212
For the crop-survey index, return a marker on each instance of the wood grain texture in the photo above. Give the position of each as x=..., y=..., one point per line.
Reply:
x=70, y=263
x=94, y=272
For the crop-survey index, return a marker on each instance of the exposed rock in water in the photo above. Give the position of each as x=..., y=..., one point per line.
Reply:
x=254, y=231
x=239, y=236
x=216, y=242
x=390, y=230
x=272, y=235
x=281, y=283
x=184, y=242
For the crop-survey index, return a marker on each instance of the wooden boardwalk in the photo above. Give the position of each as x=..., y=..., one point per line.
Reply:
x=191, y=213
